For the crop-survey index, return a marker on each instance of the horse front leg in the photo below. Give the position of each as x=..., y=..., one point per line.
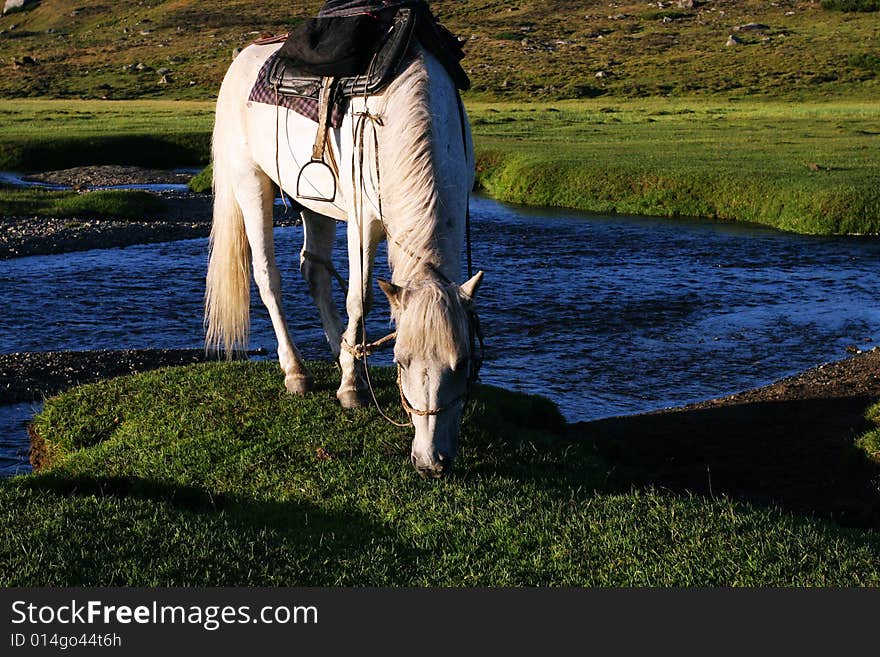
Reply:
x=362, y=242
x=256, y=197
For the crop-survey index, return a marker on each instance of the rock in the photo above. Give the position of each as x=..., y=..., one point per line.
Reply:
x=27, y=60
x=686, y=4
x=733, y=41
x=163, y=71
x=140, y=66
x=17, y=5
x=166, y=79
x=751, y=27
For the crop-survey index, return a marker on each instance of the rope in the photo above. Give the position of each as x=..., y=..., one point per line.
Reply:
x=363, y=350
x=328, y=265
x=360, y=350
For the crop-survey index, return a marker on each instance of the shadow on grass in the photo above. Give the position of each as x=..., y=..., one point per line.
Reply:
x=138, y=531
x=796, y=455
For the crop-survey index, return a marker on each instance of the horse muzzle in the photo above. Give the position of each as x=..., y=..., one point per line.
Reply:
x=435, y=467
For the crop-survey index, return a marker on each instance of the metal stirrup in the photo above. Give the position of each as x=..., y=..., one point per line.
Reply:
x=317, y=163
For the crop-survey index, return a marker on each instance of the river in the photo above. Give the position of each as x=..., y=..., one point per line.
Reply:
x=605, y=315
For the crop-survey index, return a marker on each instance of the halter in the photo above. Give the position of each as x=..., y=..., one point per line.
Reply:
x=475, y=335
x=475, y=338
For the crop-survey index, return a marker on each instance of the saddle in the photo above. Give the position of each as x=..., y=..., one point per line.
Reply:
x=370, y=59
x=353, y=48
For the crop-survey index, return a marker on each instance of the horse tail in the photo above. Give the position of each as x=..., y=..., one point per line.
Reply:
x=228, y=283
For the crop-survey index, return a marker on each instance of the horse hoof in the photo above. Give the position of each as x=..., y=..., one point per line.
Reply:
x=298, y=384
x=352, y=399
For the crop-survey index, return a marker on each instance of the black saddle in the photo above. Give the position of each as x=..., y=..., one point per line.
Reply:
x=363, y=52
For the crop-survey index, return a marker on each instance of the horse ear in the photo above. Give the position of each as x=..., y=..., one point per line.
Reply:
x=391, y=291
x=469, y=288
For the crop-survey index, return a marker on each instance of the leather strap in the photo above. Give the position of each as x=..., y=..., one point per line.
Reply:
x=323, y=119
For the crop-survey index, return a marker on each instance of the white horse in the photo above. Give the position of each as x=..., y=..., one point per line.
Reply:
x=420, y=178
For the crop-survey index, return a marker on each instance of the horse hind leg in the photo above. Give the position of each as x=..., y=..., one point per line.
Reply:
x=315, y=264
x=256, y=196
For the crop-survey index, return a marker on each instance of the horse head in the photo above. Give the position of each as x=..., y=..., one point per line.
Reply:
x=436, y=363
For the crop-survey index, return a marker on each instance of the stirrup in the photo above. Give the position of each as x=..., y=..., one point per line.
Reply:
x=321, y=178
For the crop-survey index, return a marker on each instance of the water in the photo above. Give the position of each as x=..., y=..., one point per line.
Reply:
x=607, y=316
x=14, y=444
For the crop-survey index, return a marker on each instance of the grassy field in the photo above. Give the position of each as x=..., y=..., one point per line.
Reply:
x=544, y=49
x=166, y=478
x=803, y=167
x=108, y=204
x=42, y=135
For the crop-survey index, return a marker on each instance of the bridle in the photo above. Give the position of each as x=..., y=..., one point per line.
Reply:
x=475, y=362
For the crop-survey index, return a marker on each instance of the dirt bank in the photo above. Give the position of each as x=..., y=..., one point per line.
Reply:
x=32, y=376
x=89, y=177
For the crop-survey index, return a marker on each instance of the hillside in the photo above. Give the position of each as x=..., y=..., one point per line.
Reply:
x=544, y=49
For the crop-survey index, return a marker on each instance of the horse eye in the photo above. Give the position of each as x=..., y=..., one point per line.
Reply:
x=403, y=363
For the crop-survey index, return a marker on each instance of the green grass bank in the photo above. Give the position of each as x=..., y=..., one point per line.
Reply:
x=45, y=135
x=807, y=168
x=104, y=204
x=212, y=475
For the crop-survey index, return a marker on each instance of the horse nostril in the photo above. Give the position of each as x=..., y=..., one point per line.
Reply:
x=444, y=464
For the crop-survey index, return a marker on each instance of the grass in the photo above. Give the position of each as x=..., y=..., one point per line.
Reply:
x=212, y=475
x=42, y=135
x=543, y=50
x=202, y=182
x=807, y=168
x=869, y=443
x=851, y=5
x=105, y=204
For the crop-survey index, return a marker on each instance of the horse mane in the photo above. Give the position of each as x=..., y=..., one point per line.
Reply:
x=431, y=318
x=409, y=189
x=432, y=322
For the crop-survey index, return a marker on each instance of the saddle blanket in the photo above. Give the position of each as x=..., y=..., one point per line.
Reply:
x=265, y=92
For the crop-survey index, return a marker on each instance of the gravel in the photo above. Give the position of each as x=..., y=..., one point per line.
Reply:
x=188, y=216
